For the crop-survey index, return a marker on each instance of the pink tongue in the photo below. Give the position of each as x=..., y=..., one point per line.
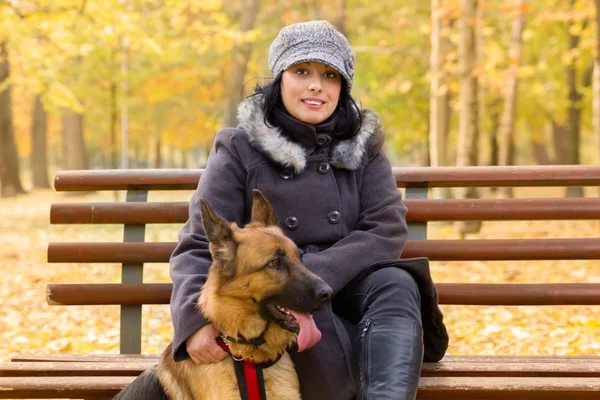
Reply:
x=309, y=333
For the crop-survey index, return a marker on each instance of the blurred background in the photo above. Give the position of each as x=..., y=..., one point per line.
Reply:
x=148, y=83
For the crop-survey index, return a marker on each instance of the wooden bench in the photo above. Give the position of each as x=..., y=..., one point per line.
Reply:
x=456, y=377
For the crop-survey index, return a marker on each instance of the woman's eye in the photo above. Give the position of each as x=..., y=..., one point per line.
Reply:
x=331, y=75
x=275, y=263
x=301, y=71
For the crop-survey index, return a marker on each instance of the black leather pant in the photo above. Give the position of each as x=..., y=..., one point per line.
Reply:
x=386, y=307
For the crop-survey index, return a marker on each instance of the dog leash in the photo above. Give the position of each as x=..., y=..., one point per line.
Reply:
x=249, y=374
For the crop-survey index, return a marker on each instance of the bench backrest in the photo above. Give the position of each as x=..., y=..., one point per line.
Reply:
x=136, y=213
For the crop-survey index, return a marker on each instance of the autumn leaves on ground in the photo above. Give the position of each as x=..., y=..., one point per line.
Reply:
x=29, y=326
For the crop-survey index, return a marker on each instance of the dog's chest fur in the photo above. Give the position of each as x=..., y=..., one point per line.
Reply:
x=218, y=381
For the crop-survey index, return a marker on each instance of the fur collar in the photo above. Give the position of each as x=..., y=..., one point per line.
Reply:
x=347, y=154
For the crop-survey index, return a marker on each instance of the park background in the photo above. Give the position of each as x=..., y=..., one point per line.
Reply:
x=148, y=83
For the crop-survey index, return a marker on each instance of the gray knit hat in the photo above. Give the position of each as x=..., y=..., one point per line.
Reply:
x=312, y=41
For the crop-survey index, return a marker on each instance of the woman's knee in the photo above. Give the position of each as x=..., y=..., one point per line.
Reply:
x=395, y=280
x=393, y=291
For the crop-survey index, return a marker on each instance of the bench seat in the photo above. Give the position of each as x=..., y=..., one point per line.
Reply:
x=455, y=377
x=481, y=377
x=431, y=388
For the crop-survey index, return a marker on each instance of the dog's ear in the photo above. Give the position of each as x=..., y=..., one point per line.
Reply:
x=262, y=212
x=223, y=245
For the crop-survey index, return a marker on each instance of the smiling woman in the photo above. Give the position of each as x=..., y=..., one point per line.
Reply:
x=318, y=157
x=310, y=91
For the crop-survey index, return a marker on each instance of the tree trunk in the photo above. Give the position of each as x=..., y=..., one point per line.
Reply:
x=468, y=135
x=74, y=151
x=39, y=159
x=506, y=154
x=574, y=120
x=9, y=156
x=596, y=86
x=438, y=97
x=340, y=22
x=561, y=142
x=114, y=117
x=241, y=54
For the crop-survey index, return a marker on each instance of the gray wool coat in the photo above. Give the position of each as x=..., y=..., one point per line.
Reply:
x=338, y=201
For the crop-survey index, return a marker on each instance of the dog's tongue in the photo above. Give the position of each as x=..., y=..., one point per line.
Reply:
x=309, y=333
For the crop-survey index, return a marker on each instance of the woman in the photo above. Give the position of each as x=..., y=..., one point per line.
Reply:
x=318, y=158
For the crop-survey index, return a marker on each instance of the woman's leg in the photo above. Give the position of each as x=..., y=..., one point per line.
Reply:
x=386, y=306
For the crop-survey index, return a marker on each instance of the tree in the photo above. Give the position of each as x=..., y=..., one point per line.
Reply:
x=572, y=140
x=74, y=150
x=507, y=124
x=438, y=121
x=39, y=145
x=9, y=157
x=469, y=125
x=596, y=85
x=241, y=55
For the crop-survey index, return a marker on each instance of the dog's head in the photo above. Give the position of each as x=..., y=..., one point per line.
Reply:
x=257, y=276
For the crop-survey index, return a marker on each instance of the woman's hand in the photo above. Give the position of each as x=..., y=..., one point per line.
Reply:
x=203, y=348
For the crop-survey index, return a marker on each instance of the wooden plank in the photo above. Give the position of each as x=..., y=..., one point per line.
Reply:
x=449, y=293
x=449, y=358
x=485, y=388
x=498, y=368
x=479, y=176
x=54, y=368
x=119, y=213
x=151, y=358
x=435, y=250
x=133, y=367
x=503, y=209
x=430, y=388
x=418, y=211
x=63, y=387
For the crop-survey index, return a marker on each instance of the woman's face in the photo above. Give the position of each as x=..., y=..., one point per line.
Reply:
x=310, y=91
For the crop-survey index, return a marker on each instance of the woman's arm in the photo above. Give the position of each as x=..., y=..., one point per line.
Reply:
x=222, y=185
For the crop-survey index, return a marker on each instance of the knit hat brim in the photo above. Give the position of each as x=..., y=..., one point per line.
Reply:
x=297, y=56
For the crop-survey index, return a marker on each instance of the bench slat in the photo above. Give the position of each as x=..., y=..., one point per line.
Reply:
x=480, y=176
x=57, y=368
x=82, y=387
x=435, y=250
x=130, y=367
x=448, y=358
x=430, y=388
x=449, y=293
x=418, y=211
x=492, y=388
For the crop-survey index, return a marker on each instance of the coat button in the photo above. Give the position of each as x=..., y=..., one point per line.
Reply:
x=291, y=223
x=323, y=140
x=323, y=168
x=333, y=217
x=287, y=173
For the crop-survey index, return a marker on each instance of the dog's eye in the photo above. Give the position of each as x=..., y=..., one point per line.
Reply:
x=275, y=263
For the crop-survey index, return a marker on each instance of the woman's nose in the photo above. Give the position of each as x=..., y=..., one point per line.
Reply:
x=315, y=85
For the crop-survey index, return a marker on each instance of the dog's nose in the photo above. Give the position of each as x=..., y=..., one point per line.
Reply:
x=323, y=293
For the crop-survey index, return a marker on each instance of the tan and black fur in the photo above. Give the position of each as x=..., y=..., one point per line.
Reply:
x=255, y=269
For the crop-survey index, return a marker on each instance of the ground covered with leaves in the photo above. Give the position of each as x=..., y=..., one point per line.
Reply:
x=28, y=325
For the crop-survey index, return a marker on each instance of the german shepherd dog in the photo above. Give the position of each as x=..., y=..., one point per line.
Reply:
x=256, y=287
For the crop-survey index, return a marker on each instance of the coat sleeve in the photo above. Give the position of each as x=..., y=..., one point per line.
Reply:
x=222, y=185
x=379, y=235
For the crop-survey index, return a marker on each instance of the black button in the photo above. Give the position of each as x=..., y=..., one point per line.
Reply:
x=287, y=173
x=333, y=217
x=291, y=223
x=323, y=168
x=323, y=140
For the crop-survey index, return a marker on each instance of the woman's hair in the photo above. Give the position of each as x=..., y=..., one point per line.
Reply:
x=349, y=117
